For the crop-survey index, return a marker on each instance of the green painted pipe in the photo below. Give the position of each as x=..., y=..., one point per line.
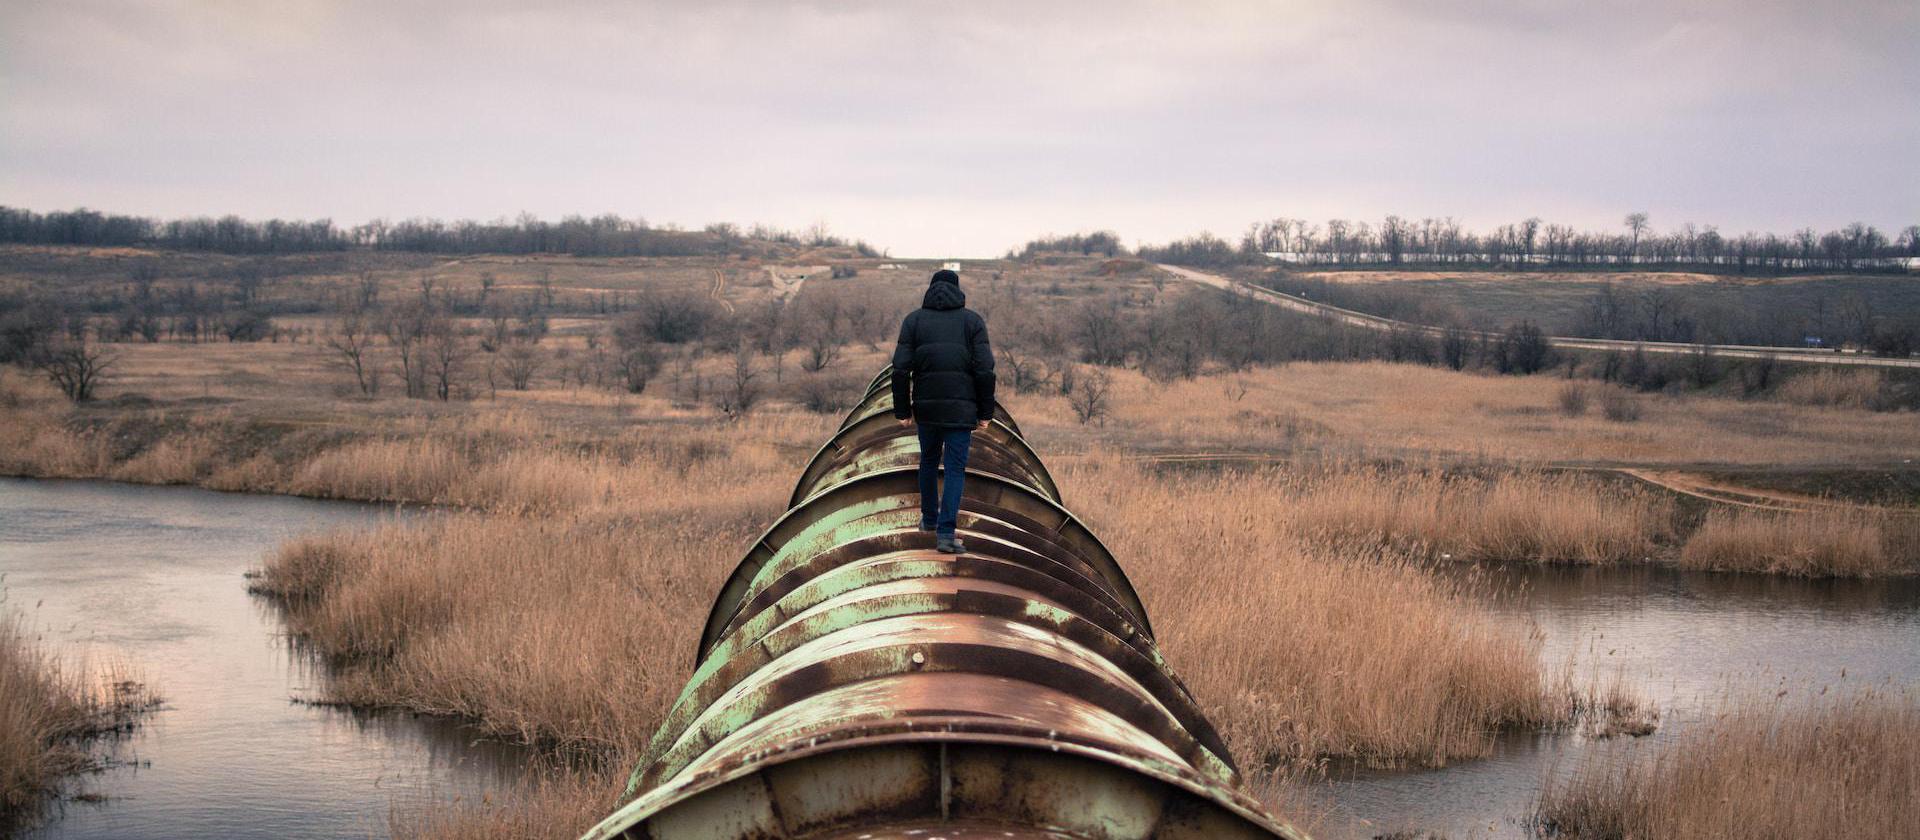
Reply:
x=854, y=682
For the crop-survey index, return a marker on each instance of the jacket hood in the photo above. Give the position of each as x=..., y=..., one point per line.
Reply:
x=944, y=296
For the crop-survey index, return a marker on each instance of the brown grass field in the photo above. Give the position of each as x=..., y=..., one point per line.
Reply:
x=554, y=598
x=1841, y=765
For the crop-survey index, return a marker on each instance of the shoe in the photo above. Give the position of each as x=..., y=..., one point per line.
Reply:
x=950, y=545
x=926, y=526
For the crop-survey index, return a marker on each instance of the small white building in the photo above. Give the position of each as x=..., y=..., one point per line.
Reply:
x=952, y=266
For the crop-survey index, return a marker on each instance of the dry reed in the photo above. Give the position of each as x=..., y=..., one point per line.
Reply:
x=1513, y=517
x=1829, y=542
x=1863, y=388
x=572, y=633
x=48, y=711
x=552, y=805
x=1304, y=643
x=1842, y=765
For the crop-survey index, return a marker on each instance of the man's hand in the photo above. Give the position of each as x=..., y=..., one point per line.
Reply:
x=983, y=424
x=906, y=422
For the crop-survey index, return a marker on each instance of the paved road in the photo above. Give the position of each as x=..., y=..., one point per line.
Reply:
x=1375, y=322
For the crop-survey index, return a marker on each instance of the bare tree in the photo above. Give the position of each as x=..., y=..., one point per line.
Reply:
x=1025, y=374
x=826, y=393
x=367, y=292
x=141, y=322
x=447, y=352
x=406, y=329
x=520, y=362
x=1636, y=227
x=247, y=325
x=742, y=391
x=668, y=317
x=1091, y=397
x=143, y=274
x=498, y=332
x=1064, y=374
x=1758, y=375
x=637, y=367
x=592, y=367
x=1703, y=366
x=1100, y=328
x=351, y=340
x=776, y=335
x=545, y=284
x=247, y=280
x=817, y=320
x=1456, y=345
x=868, y=322
x=823, y=350
x=77, y=367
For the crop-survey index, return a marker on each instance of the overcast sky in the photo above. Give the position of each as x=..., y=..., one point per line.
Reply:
x=963, y=128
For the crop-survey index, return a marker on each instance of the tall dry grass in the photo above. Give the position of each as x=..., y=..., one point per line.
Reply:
x=48, y=711
x=1843, y=765
x=1861, y=388
x=1305, y=641
x=572, y=632
x=34, y=438
x=1513, y=516
x=551, y=805
x=1829, y=542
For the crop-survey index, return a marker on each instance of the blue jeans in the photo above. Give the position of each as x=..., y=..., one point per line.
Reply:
x=942, y=447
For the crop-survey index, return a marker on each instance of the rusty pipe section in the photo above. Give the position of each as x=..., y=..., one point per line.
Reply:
x=852, y=682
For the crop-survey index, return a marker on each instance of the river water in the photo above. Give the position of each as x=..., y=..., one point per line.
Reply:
x=152, y=576
x=1686, y=640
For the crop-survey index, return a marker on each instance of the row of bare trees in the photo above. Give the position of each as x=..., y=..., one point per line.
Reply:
x=603, y=235
x=1396, y=240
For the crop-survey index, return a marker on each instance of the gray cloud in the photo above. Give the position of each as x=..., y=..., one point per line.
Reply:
x=944, y=128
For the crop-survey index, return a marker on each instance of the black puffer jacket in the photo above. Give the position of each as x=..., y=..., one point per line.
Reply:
x=943, y=366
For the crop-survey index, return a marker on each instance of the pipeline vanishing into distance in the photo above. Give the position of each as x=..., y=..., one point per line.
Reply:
x=852, y=682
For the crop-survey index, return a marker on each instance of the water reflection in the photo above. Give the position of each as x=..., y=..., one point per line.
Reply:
x=152, y=576
x=1685, y=638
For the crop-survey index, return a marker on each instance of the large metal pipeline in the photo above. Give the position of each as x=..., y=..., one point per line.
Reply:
x=852, y=682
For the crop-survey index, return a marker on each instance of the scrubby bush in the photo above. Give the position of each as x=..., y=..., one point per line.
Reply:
x=1574, y=397
x=1864, y=388
x=1619, y=406
x=825, y=393
x=668, y=317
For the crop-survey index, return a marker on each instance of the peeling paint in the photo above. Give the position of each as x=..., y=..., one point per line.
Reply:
x=854, y=682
